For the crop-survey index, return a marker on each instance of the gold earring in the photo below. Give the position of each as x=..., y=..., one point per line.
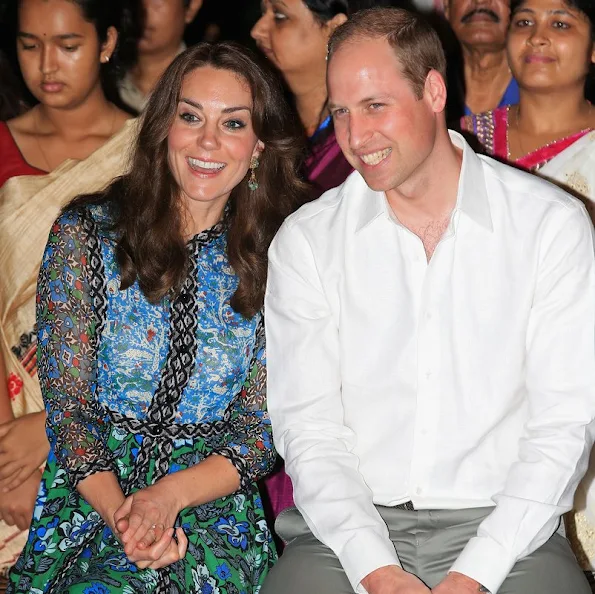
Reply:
x=252, y=183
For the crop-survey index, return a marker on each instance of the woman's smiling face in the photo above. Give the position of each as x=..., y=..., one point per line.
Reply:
x=550, y=45
x=211, y=141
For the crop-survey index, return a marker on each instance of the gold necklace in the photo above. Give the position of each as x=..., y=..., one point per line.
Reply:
x=112, y=126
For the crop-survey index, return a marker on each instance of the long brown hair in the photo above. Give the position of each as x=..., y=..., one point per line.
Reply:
x=149, y=213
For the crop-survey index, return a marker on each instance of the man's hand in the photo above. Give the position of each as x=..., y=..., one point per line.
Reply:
x=16, y=506
x=23, y=449
x=393, y=580
x=457, y=583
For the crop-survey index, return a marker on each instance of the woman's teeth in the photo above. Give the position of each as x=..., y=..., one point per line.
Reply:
x=194, y=163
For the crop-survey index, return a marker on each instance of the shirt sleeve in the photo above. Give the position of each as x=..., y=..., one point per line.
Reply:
x=250, y=442
x=307, y=413
x=560, y=382
x=67, y=328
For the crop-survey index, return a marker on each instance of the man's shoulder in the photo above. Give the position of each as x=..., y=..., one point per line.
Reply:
x=322, y=211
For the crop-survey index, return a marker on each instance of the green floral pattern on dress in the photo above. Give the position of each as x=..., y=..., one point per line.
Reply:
x=70, y=549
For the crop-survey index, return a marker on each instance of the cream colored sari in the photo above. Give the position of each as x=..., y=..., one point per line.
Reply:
x=29, y=205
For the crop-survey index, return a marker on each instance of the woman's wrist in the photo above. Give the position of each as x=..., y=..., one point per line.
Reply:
x=175, y=490
x=103, y=492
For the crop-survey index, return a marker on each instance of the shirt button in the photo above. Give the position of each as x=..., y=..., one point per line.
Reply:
x=428, y=374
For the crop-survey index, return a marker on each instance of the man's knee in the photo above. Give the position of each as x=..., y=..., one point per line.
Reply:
x=551, y=569
x=306, y=565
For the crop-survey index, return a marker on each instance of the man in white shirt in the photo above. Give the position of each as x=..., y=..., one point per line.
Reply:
x=431, y=348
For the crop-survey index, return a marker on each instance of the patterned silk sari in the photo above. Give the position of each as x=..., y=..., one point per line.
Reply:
x=28, y=206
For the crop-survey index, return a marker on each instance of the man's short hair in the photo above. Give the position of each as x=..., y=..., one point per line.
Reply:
x=416, y=43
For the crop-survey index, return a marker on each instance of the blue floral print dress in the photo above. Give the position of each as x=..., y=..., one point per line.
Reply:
x=144, y=390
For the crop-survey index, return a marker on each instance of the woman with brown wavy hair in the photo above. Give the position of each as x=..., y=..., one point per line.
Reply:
x=151, y=347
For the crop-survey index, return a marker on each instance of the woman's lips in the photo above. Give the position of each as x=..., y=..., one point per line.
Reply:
x=52, y=87
x=538, y=59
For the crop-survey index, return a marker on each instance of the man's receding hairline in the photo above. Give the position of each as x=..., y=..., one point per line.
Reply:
x=358, y=36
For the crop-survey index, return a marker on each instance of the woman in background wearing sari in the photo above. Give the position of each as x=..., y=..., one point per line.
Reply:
x=293, y=35
x=73, y=141
x=551, y=51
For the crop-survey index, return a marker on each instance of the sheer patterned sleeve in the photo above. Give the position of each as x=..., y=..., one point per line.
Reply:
x=250, y=445
x=67, y=327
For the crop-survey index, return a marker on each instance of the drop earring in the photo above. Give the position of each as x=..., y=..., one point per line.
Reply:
x=252, y=183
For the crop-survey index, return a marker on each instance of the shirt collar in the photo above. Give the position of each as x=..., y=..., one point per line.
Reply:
x=472, y=197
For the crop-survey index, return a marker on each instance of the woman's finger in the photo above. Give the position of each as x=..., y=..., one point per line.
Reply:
x=17, y=480
x=121, y=526
x=123, y=511
x=8, y=467
x=8, y=518
x=138, y=529
x=148, y=539
x=141, y=527
x=4, y=430
x=182, y=542
x=22, y=521
x=153, y=535
x=154, y=552
x=175, y=552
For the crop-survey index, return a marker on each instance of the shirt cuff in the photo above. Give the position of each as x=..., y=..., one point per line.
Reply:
x=485, y=561
x=365, y=553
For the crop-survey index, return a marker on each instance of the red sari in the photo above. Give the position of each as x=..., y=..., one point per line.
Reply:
x=491, y=129
x=12, y=162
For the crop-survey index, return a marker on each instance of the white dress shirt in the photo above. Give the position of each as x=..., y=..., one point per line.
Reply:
x=464, y=382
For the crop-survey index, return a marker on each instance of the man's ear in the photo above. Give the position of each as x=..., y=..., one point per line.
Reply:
x=191, y=11
x=435, y=91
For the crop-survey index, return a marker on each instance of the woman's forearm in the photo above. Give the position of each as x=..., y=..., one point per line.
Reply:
x=103, y=493
x=211, y=479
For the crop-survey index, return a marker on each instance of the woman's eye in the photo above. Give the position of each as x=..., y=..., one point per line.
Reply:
x=188, y=117
x=27, y=47
x=522, y=23
x=561, y=25
x=235, y=124
x=70, y=48
x=279, y=16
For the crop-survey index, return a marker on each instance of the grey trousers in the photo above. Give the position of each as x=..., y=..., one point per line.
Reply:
x=428, y=542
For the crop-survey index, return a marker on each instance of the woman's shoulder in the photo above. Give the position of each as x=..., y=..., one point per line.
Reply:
x=485, y=119
x=85, y=219
x=12, y=162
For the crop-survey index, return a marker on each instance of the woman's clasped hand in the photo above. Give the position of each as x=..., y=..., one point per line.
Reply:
x=144, y=524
